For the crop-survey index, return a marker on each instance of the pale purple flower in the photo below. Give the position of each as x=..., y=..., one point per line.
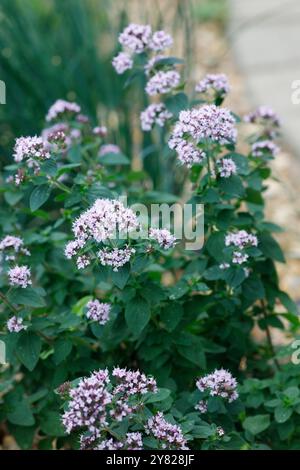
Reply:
x=241, y=239
x=83, y=261
x=224, y=266
x=82, y=118
x=15, y=324
x=160, y=40
x=263, y=115
x=116, y=258
x=220, y=431
x=122, y=62
x=162, y=82
x=10, y=244
x=110, y=444
x=88, y=404
x=219, y=383
x=132, y=382
x=20, y=276
x=136, y=37
x=169, y=435
x=188, y=154
x=201, y=406
x=217, y=83
x=239, y=257
x=73, y=247
x=156, y=113
x=163, y=237
x=109, y=148
x=133, y=441
x=208, y=122
x=98, y=311
x=104, y=220
x=226, y=167
x=30, y=148
x=262, y=147
x=100, y=131
x=61, y=108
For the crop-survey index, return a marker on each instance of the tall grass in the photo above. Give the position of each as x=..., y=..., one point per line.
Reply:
x=63, y=49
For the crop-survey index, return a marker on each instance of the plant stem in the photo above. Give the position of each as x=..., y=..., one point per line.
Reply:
x=7, y=302
x=269, y=337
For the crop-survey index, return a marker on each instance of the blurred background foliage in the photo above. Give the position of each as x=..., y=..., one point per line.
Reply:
x=52, y=49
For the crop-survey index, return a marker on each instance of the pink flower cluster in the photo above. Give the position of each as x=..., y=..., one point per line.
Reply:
x=27, y=148
x=109, y=148
x=263, y=147
x=216, y=83
x=226, y=167
x=241, y=240
x=106, y=220
x=219, y=383
x=160, y=41
x=163, y=82
x=98, y=311
x=11, y=246
x=206, y=123
x=61, y=108
x=102, y=221
x=169, y=435
x=96, y=402
x=88, y=404
x=156, y=113
x=32, y=150
x=116, y=257
x=122, y=62
x=15, y=324
x=136, y=37
x=163, y=237
x=133, y=441
x=263, y=115
x=20, y=276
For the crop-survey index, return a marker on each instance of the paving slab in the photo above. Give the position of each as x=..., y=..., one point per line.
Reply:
x=265, y=38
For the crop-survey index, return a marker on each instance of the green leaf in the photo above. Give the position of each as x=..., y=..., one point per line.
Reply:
x=171, y=315
x=120, y=277
x=49, y=167
x=29, y=297
x=114, y=159
x=287, y=302
x=79, y=307
x=12, y=198
x=256, y=424
x=169, y=61
x=232, y=186
x=62, y=349
x=23, y=435
x=39, y=196
x=51, y=424
x=282, y=413
x=137, y=315
x=28, y=350
x=270, y=248
x=241, y=162
x=176, y=103
x=215, y=246
x=160, y=395
x=21, y=414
